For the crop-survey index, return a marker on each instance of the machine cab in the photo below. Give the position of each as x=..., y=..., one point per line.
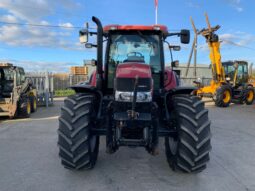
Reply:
x=128, y=45
x=10, y=77
x=236, y=71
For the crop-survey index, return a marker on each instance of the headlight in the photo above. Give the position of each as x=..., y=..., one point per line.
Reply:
x=128, y=96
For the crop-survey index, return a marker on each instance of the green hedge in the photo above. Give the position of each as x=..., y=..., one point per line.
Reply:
x=63, y=93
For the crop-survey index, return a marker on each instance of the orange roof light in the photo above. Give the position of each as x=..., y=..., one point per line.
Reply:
x=136, y=27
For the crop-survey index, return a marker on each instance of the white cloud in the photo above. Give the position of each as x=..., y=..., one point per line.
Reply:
x=236, y=4
x=34, y=12
x=240, y=39
x=30, y=11
x=8, y=18
x=41, y=66
x=44, y=22
x=36, y=37
x=66, y=25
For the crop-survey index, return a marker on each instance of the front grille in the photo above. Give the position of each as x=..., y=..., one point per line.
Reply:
x=127, y=84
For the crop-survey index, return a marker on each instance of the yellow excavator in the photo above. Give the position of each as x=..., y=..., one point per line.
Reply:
x=226, y=85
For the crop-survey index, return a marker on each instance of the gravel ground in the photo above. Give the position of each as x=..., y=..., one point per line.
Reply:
x=29, y=158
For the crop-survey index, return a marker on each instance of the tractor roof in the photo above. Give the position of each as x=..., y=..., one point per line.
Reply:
x=161, y=28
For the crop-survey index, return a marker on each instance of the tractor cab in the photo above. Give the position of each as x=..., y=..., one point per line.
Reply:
x=137, y=47
x=134, y=46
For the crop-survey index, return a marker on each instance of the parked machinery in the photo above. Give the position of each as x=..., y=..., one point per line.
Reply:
x=223, y=89
x=133, y=101
x=237, y=77
x=17, y=95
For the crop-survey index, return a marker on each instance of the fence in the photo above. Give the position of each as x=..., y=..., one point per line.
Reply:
x=63, y=81
x=190, y=81
x=44, y=86
x=203, y=72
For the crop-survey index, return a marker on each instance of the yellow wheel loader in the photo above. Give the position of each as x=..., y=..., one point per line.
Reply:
x=18, y=97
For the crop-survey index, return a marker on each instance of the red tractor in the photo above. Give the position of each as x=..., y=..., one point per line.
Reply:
x=133, y=99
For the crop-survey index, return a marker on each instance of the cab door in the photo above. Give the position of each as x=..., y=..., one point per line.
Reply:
x=242, y=75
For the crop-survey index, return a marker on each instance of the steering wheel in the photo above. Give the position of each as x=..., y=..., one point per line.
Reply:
x=138, y=54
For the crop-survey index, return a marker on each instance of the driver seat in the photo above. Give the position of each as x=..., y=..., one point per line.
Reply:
x=134, y=59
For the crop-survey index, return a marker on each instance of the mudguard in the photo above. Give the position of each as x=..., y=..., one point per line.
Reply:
x=181, y=90
x=85, y=88
x=176, y=91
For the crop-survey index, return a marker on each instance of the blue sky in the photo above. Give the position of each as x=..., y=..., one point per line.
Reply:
x=56, y=49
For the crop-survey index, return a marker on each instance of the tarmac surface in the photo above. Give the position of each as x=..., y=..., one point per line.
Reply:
x=29, y=158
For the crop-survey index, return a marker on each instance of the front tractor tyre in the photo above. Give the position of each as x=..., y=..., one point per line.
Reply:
x=78, y=147
x=223, y=96
x=189, y=151
x=249, y=96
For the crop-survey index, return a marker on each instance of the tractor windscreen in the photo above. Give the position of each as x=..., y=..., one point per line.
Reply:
x=134, y=47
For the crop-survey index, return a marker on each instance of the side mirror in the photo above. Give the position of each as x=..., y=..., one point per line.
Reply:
x=175, y=48
x=84, y=36
x=175, y=64
x=185, y=36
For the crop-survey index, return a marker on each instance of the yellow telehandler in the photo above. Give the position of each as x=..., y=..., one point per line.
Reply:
x=228, y=78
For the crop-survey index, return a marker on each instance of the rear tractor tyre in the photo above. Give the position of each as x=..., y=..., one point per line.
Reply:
x=223, y=96
x=24, y=107
x=78, y=148
x=33, y=102
x=189, y=151
x=249, y=96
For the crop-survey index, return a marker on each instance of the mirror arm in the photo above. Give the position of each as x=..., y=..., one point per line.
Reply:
x=169, y=46
x=94, y=45
x=92, y=33
x=174, y=34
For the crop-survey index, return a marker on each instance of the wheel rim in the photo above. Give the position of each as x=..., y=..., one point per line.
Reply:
x=226, y=96
x=250, y=96
x=93, y=141
x=28, y=108
x=35, y=105
x=173, y=145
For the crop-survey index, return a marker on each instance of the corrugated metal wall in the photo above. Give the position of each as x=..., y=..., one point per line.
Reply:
x=203, y=72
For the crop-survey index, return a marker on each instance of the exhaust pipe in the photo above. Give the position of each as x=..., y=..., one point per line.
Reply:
x=99, y=52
